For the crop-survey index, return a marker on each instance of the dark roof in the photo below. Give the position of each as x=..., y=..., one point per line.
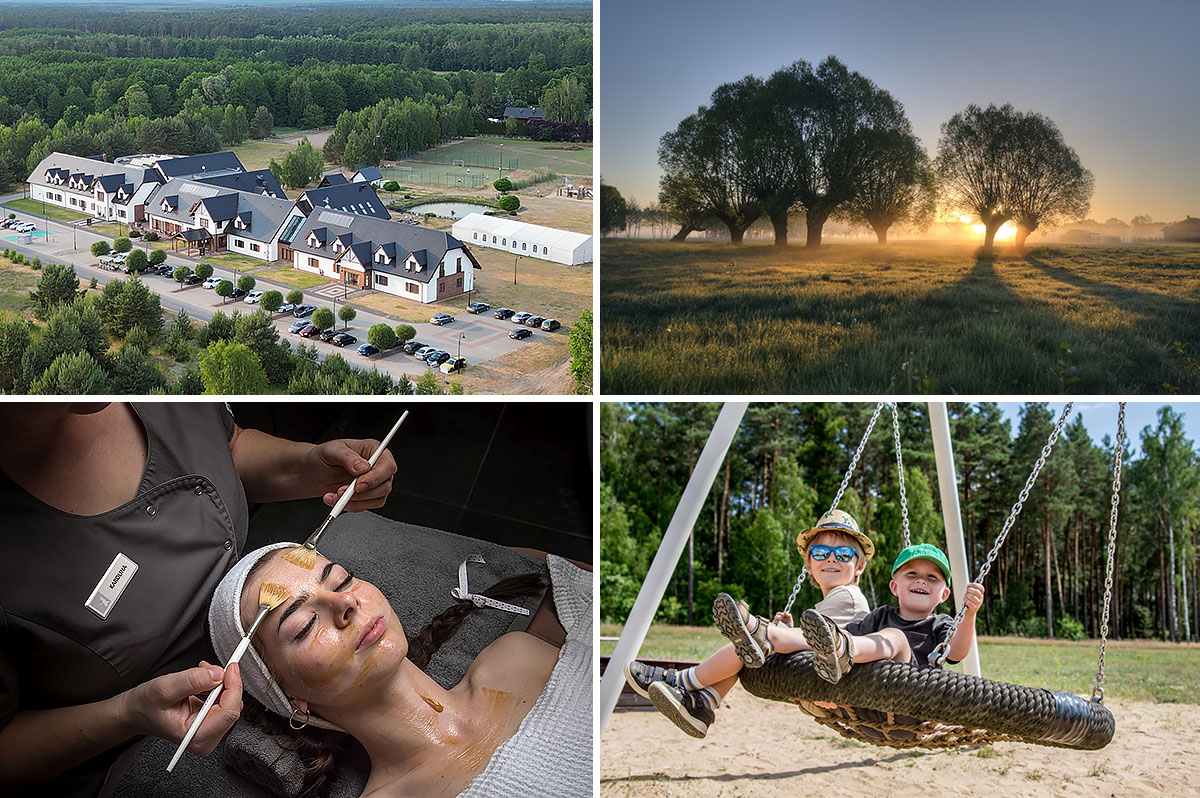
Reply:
x=222, y=207
x=369, y=174
x=195, y=235
x=197, y=165
x=67, y=166
x=256, y=182
x=524, y=113
x=357, y=198
x=110, y=183
x=333, y=179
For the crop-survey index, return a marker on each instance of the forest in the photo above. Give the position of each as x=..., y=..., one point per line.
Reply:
x=787, y=461
x=91, y=82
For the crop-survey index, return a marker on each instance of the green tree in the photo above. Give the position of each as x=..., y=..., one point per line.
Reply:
x=429, y=385
x=271, y=301
x=190, y=383
x=391, y=185
x=224, y=290
x=381, y=337
x=158, y=257
x=405, y=332
x=76, y=374
x=231, y=368
x=219, y=328
x=122, y=245
x=133, y=372
x=503, y=185
x=565, y=100
x=136, y=261
x=510, y=203
x=15, y=338
x=181, y=273
x=614, y=210
x=346, y=313
x=300, y=167
x=295, y=297
x=57, y=286
x=579, y=342
x=246, y=282
x=204, y=270
x=258, y=333
x=262, y=124
x=125, y=304
x=897, y=184
x=100, y=248
x=322, y=318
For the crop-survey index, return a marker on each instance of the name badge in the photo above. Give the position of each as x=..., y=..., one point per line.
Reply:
x=110, y=587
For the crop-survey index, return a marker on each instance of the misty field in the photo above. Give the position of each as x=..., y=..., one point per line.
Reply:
x=905, y=318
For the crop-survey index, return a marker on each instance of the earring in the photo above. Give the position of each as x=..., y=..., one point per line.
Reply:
x=296, y=714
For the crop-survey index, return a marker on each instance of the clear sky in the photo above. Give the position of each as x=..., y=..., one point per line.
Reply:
x=1121, y=80
x=1100, y=418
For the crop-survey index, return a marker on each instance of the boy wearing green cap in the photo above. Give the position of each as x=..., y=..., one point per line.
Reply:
x=908, y=633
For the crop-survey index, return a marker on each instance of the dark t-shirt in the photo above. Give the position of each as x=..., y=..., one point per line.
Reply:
x=923, y=636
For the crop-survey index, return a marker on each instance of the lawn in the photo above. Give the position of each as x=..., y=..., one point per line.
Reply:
x=255, y=154
x=16, y=281
x=560, y=157
x=908, y=318
x=243, y=263
x=1144, y=670
x=52, y=211
x=296, y=278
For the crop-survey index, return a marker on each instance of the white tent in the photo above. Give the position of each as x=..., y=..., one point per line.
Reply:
x=522, y=238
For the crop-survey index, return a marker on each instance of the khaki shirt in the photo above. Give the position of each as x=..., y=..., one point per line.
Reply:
x=843, y=605
x=184, y=529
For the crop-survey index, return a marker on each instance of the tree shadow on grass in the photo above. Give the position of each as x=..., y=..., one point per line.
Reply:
x=1128, y=298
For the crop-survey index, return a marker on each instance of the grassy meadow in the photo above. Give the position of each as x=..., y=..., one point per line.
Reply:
x=565, y=158
x=1142, y=670
x=701, y=318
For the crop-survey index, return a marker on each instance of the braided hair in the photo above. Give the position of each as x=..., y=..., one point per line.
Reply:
x=317, y=749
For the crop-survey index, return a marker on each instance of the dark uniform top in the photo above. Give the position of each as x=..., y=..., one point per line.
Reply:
x=184, y=530
x=923, y=636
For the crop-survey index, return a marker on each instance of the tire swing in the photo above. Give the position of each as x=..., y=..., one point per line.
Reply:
x=894, y=704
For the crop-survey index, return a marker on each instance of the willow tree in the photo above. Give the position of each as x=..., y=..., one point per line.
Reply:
x=681, y=202
x=1049, y=184
x=896, y=184
x=976, y=164
x=710, y=149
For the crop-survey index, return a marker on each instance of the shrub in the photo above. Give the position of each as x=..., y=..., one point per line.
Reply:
x=405, y=332
x=381, y=337
x=151, y=236
x=137, y=261
x=509, y=203
x=36, y=264
x=98, y=248
x=502, y=185
x=158, y=256
x=391, y=185
x=122, y=245
x=246, y=282
x=295, y=297
x=204, y=270
x=1069, y=629
x=135, y=233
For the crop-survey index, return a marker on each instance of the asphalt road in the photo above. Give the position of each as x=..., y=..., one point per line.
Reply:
x=478, y=338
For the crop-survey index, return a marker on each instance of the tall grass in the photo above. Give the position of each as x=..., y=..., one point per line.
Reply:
x=907, y=318
x=540, y=176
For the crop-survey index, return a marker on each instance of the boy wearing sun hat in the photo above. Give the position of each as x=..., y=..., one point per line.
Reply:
x=835, y=555
x=908, y=633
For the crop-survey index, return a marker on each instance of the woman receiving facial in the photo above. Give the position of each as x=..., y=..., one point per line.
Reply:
x=338, y=652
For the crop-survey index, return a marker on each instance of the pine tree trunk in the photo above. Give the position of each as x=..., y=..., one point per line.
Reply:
x=1047, y=553
x=1172, y=613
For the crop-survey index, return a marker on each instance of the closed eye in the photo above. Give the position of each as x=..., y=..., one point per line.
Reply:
x=313, y=620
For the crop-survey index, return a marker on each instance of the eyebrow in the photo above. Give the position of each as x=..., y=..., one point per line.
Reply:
x=303, y=597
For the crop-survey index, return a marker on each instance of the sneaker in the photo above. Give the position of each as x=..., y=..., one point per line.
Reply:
x=824, y=636
x=640, y=676
x=733, y=620
x=685, y=708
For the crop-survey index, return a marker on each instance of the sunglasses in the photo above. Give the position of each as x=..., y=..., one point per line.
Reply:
x=843, y=553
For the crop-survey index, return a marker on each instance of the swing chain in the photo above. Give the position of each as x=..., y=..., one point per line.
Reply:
x=938, y=657
x=1098, y=690
x=845, y=483
x=900, y=471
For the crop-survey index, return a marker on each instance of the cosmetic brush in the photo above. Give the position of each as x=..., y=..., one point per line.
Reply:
x=270, y=596
x=306, y=556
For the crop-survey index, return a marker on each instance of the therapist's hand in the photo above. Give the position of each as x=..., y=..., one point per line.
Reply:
x=166, y=706
x=334, y=464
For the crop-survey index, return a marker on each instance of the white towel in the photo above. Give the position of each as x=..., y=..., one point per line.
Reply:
x=550, y=755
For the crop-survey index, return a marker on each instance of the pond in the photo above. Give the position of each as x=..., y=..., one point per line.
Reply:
x=449, y=210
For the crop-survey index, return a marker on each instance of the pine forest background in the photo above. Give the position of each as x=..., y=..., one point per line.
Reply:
x=786, y=464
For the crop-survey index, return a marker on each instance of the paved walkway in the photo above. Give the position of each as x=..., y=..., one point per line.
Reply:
x=479, y=338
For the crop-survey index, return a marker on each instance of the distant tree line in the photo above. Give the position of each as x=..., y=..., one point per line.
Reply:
x=829, y=143
x=786, y=464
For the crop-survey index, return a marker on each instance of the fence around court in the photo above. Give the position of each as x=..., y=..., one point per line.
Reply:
x=438, y=175
x=483, y=156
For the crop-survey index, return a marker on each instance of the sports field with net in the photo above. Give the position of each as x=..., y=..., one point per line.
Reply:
x=448, y=164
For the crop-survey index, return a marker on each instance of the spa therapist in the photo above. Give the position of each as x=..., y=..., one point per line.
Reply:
x=118, y=522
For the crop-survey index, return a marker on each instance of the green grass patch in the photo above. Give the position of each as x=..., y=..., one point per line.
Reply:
x=485, y=152
x=702, y=318
x=293, y=277
x=256, y=154
x=51, y=211
x=114, y=229
x=1143, y=670
x=16, y=281
x=229, y=260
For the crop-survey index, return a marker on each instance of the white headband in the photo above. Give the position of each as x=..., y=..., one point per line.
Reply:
x=225, y=627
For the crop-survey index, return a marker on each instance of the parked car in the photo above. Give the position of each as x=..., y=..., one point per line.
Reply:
x=311, y=331
x=238, y=293
x=454, y=364
x=191, y=279
x=286, y=307
x=9, y=222
x=412, y=346
x=424, y=352
x=343, y=339
x=303, y=310
x=437, y=358
x=253, y=297
x=297, y=326
x=211, y=282
x=25, y=227
x=535, y=321
x=550, y=325
x=441, y=318
x=166, y=269
x=520, y=332
x=367, y=350
x=478, y=307
x=503, y=313
x=327, y=335
x=520, y=318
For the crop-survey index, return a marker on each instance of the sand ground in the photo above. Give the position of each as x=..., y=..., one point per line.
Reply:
x=761, y=748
